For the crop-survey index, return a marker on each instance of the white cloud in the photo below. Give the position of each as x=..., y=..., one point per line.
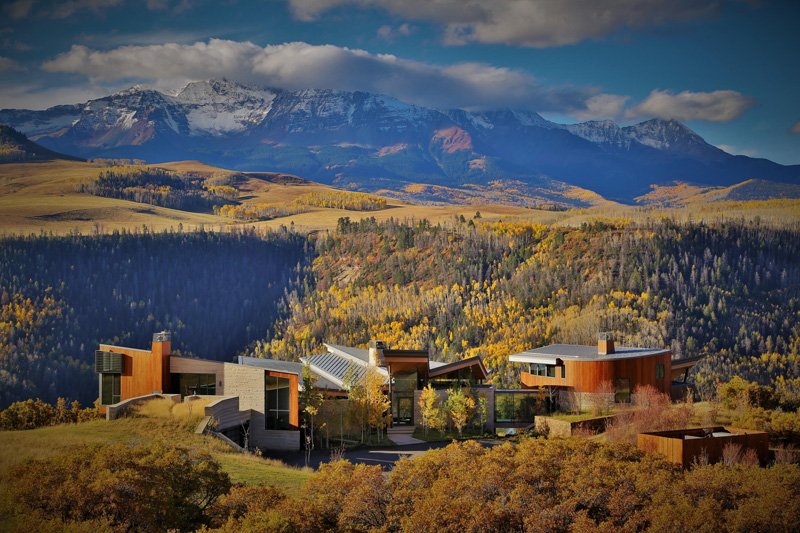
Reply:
x=532, y=23
x=795, y=130
x=603, y=106
x=716, y=106
x=737, y=151
x=388, y=34
x=7, y=63
x=300, y=65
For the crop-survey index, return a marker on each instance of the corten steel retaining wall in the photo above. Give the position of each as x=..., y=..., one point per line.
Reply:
x=554, y=427
x=684, y=452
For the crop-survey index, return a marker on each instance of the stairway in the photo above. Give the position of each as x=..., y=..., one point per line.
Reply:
x=402, y=435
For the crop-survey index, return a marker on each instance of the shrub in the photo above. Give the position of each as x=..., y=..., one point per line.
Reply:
x=154, y=487
x=32, y=414
x=26, y=415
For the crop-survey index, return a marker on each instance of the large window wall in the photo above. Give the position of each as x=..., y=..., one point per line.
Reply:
x=278, y=402
x=194, y=384
x=515, y=406
x=455, y=380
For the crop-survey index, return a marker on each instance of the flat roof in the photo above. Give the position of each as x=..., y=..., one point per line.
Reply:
x=576, y=352
x=273, y=365
x=347, y=351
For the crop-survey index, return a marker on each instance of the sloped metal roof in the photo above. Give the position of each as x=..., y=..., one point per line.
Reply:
x=346, y=351
x=333, y=366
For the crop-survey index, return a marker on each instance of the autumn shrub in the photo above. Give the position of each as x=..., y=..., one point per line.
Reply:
x=230, y=509
x=782, y=426
x=654, y=412
x=565, y=485
x=718, y=498
x=344, y=497
x=538, y=485
x=29, y=414
x=739, y=393
x=32, y=414
x=153, y=487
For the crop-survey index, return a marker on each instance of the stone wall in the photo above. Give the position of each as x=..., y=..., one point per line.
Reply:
x=113, y=411
x=248, y=382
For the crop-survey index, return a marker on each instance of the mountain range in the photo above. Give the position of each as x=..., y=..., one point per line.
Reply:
x=369, y=142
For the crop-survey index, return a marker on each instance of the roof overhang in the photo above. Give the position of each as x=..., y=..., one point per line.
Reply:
x=473, y=363
x=535, y=359
x=679, y=366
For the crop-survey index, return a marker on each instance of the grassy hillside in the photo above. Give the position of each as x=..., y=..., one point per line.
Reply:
x=156, y=420
x=15, y=146
x=682, y=194
x=41, y=196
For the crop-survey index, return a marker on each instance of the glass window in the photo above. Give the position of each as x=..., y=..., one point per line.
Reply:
x=109, y=389
x=547, y=371
x=563, y=372
x=515, y=406
x=660, y=371
x=405, y=381
x=622, y=390
x=278, y=402
x=194, y=384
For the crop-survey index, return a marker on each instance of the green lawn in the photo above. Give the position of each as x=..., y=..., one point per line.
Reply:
x=18, y=446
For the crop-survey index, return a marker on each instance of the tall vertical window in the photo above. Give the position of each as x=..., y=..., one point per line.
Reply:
x=278, y=402
x=109, y=389
x=660, y=371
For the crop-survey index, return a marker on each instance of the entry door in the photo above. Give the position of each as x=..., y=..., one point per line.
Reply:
x=403, y=409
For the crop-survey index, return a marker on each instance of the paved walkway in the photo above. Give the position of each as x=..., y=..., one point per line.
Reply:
x=403, y=440
x=384, y=456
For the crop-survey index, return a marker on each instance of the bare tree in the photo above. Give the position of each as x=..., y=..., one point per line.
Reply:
x=575, y=401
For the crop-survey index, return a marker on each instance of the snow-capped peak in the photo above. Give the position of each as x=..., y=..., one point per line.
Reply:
x=662, y=134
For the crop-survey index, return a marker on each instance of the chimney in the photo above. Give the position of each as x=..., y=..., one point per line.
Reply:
x=160, y=352
x=605, y=343
x=376, y=353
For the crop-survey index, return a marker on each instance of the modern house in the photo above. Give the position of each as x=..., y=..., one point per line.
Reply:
x=260, y=397
x=261, y=400
x=704, y=445
x=582, y=369
x=405, y=373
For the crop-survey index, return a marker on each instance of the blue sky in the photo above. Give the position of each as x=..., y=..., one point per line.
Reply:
x=728, y=69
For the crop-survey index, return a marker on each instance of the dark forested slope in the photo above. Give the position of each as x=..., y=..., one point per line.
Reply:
x=60, y=297
x=728, y=291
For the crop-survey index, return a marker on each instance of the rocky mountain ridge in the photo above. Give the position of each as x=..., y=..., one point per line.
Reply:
x=367, y=142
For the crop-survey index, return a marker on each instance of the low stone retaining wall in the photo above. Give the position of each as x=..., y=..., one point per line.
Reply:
x=113, y=411
x=554, y=427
